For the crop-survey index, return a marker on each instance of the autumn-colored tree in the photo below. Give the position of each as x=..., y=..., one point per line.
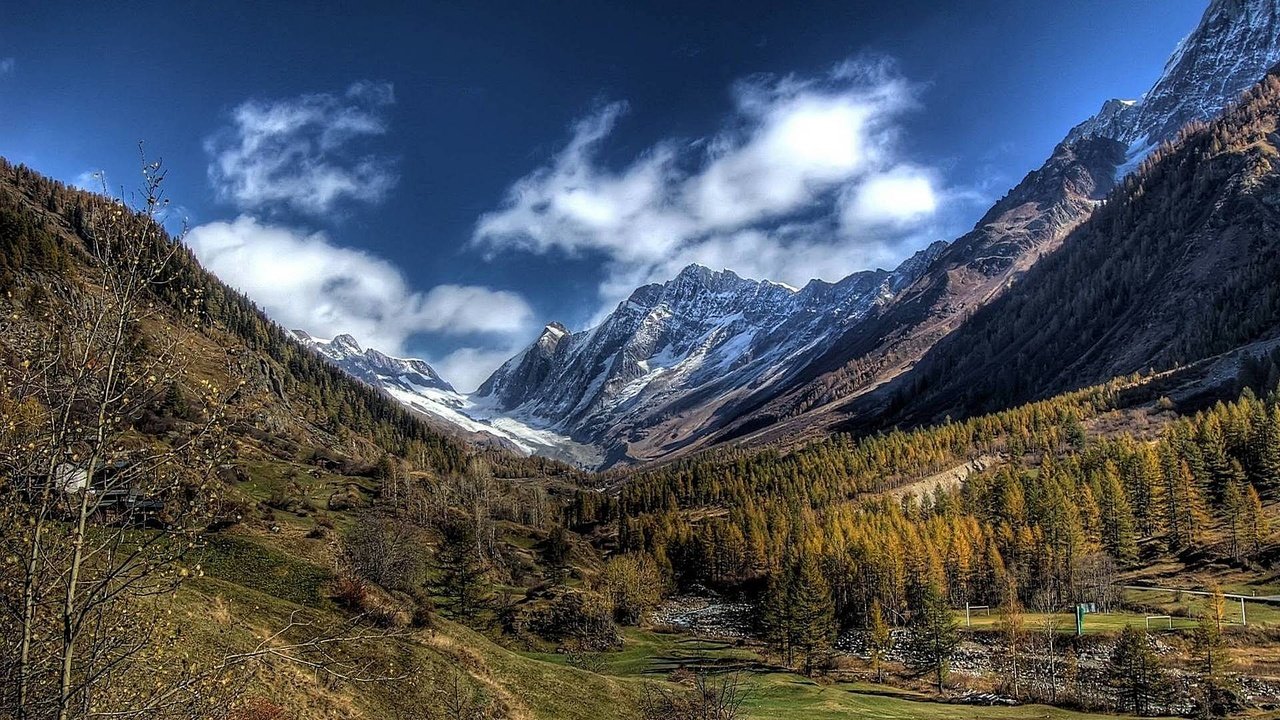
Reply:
x=879, y=639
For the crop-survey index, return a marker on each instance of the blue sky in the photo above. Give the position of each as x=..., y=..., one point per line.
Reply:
x=442, y=180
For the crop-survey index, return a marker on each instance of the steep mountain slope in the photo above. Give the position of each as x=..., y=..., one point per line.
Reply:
x=1234, y=45
x=676, y=359
x=289, y=399
x=1180, y=264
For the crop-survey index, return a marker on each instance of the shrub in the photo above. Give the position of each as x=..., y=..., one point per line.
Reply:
x=386, y=552
x=385, y=615
x=351, y=592
x=580, y=619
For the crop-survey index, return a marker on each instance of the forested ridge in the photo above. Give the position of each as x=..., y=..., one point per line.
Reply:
x=1178, y=264
x=43, y=229
x=1060, y=516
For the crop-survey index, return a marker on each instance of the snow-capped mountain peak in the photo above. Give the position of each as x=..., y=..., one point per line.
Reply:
x=374, y=367
x=417, y=386
x=705, y=339
x=1234, y=45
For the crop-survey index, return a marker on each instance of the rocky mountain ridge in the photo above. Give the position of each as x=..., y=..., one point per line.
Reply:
x=687, y=350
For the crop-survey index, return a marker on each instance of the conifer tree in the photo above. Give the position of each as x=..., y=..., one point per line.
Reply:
x=813, y=612
x=777, y=615
x=879, y=639
x=462, y=571
x=1256, y=527
x=935, y=636
x=1233, y=515
x=1135, y=672
x=1117, y=516
x=1216, y=696
x=1265, y=451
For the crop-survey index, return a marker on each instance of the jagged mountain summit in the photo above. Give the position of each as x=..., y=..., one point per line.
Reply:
x=376, y=368
x=417, y=386
x=1231, y=49
x=675, y=357
x=678, y=358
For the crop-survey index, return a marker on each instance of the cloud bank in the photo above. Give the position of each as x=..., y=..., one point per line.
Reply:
x=306, y=157
x=302, y=280
x=805, y=178
x=304, y=153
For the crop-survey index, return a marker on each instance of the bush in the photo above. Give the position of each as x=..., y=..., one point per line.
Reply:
x=634, y=584
x=351, y=593
x=580, y=619
x=385, y=615
x=718, y=698
x=287, y=497
x=424, y=610
x=386, y=552
x=345, y=499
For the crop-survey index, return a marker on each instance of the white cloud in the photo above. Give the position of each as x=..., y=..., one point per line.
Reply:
x=806, y=178
x=304, y=153
x=302, y=280
x=92, y=180
x=465, y=368
x=900, y=196
x=7, y=65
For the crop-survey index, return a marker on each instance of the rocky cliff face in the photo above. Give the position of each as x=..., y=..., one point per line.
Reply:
x=1235, y=44
x=675, y=359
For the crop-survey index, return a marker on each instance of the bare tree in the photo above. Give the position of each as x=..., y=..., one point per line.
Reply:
x=710, y=698
x=104, y=521
x=1013, y=631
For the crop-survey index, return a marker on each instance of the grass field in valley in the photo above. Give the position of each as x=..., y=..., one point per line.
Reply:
x=772, y=694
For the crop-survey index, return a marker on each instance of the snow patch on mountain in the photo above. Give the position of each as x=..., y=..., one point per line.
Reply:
x=417, y=386
x=1234, y=45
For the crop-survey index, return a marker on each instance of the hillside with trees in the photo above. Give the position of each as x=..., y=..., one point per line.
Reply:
x=1178, y=265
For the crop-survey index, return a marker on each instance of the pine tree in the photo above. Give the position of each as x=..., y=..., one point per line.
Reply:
x=1256, y=527
x=777, y=615
x=1145, y=489
x=1216, y=697
x=813, y=612
x=879, y=639
x=1135, y=672
x=935, y=635
x=1117, y=516
x=1265, y=452
x=1188, y=508
x=463, y=573
x=1233, y=513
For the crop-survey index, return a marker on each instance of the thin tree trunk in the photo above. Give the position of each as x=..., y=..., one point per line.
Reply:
x=70, y=624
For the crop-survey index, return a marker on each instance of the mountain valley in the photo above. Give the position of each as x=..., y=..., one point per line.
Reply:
x=1029, y=472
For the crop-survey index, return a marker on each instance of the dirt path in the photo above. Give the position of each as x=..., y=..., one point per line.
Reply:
x=947, y=479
